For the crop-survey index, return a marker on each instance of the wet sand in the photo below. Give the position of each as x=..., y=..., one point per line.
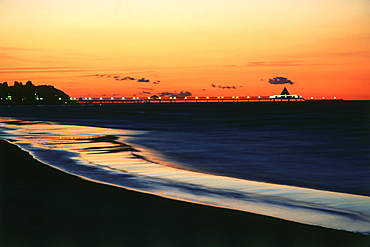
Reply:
x=42, y=206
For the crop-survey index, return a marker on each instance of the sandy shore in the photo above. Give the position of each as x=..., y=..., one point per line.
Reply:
x=41, y=206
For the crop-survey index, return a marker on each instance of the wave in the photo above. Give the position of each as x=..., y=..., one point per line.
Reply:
x=107, y=155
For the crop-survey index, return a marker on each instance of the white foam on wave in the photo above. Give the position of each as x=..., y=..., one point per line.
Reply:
x=110, y=152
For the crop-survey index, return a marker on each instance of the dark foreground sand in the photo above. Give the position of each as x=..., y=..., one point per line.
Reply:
x=41, y=206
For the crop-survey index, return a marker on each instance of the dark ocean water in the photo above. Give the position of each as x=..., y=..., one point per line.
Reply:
x=323, y=145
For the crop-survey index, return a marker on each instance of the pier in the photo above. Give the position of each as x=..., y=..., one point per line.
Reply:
x=195, y=99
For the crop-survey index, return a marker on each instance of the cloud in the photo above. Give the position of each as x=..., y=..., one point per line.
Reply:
x=182, y=94
x=166, y=94
x=7, y=57
x=280, y=80
x=143, y=80
x=281, y=63
x=128, y=78
x=122, y=78
x=231, y=66
x=16, y=48
x=145, y=92
x=363, y=53
x=223, y=87
x=46, y=70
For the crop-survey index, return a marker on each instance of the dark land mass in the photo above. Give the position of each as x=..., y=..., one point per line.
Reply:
x=42, y=206
x=30, y=94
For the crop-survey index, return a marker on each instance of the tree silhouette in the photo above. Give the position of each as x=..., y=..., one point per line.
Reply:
x=30, y=94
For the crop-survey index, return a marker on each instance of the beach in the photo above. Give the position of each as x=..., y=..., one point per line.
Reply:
x=42, y=206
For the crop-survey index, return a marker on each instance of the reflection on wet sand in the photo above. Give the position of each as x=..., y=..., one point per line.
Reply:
x=109, y=149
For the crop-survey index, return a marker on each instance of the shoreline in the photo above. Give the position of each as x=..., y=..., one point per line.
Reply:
x=42, y=206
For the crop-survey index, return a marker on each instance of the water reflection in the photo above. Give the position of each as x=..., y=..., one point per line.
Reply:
x=111, y=149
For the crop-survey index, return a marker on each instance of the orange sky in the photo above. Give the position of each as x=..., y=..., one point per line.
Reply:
x=80, y=46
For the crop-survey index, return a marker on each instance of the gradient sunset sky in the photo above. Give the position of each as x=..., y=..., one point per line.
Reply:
x=91, y=48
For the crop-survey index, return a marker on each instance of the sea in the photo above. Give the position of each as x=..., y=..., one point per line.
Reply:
x=306, y=162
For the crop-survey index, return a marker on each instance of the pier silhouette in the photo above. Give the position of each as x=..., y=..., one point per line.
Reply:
x=193, y=99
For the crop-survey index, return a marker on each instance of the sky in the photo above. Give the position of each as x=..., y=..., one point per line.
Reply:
x=98, y=48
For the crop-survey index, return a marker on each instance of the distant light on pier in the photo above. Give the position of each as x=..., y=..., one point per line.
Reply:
x=283, y=96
